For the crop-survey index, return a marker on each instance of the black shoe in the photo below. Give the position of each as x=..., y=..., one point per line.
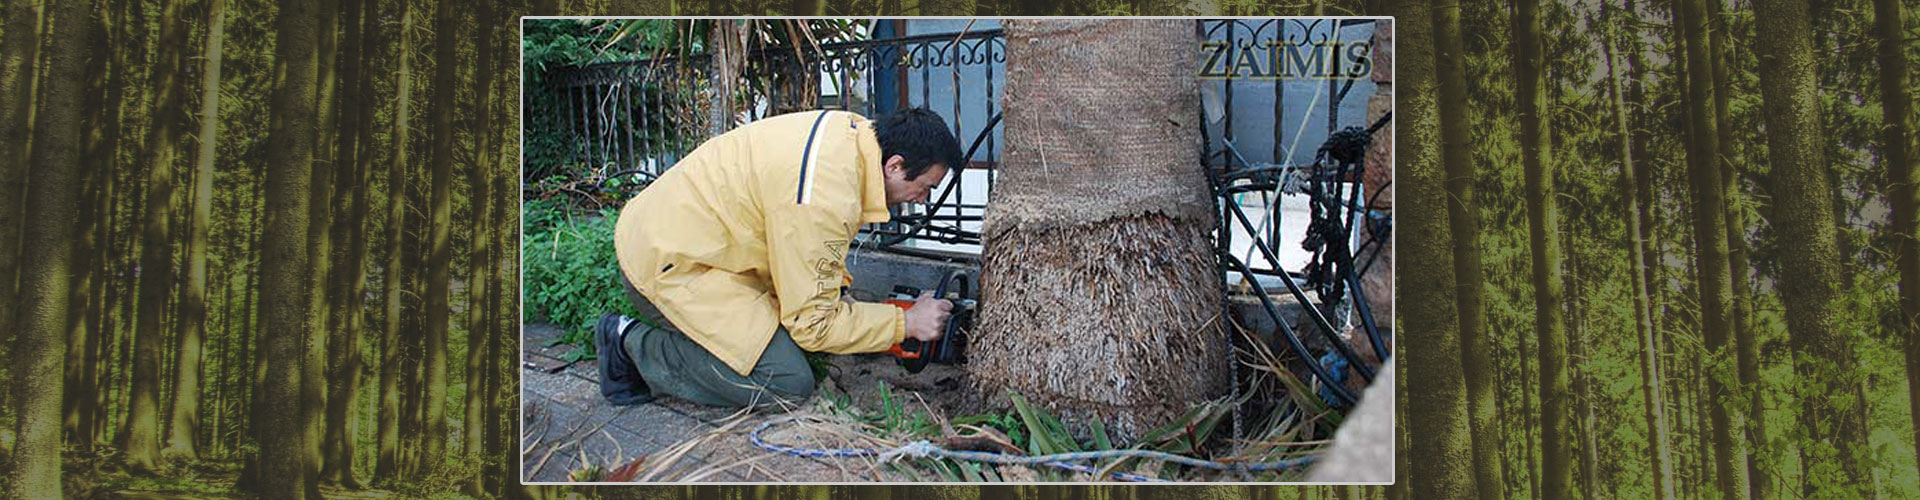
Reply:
x=620, y=379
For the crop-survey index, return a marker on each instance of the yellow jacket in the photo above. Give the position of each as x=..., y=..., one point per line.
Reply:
x=750, y=232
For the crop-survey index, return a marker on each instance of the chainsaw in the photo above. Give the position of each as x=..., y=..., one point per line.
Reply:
x=951, y=349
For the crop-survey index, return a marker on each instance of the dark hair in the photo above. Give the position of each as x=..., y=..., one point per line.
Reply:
x=921, y=137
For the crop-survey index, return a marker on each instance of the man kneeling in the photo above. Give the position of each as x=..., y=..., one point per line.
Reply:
x=735, y=257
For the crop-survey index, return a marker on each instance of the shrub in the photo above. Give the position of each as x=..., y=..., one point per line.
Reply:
x=571, y=275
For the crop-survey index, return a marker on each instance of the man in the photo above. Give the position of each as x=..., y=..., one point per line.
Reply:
x=735, y=257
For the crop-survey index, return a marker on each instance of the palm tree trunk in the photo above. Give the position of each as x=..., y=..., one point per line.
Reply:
x=1464, y=226
x=1151, y=279
x=1803, y=215
x=54, y=202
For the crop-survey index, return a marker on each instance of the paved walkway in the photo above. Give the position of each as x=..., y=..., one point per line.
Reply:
x=568, y=426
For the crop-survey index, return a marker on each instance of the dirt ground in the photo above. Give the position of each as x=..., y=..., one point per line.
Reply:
x=941, y=387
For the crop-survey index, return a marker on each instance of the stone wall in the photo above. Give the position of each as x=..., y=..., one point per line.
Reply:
x=1378, y=282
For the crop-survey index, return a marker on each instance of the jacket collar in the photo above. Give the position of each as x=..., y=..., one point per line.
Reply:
x=873, y=192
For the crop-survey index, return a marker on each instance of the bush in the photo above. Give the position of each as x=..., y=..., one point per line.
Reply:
x=571, y=272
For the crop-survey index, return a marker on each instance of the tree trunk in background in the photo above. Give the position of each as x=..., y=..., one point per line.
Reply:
x=1680, y=383
x=388, y=463
x=1463, y=214
x=313, y=366
x=1896, y=109
x=343, y=396
x=347, y=230
x=1658, y=453
x=96, y=159
x=285, y=462
x=156, y=269
x=806, y=7
x=1710, y=228
x=1543, y=221
x=506, y=321
x=440, y=260
x=339, y=141
x=53, y=202
x=478, y=284
x=94, y=421
x=1645, y=174
x=413, y=342
x=1436, y=393
x=256, y=362
x=1154, y=284
x=184, y=419
x=726, y=41
x=1803, y=216
x=1742, y=427
x=22, y=36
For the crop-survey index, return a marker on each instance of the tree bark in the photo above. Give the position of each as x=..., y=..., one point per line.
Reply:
x=1803, y=215
x=478, y=286
x=1710, y=227
x=156, y=269
x=440, y=259
x=1896, y=109
x=1464, y=226
x=17, y=72
x=1659, y=455
x=96, y=161
x=94, y=421
x=388, y=464
x=1134, y=263
x=313, y=366
x=286, y=465
x=1543, y=222
x=54, y=202
x=345, y=228
x=184, y=419
x=726, y=39
x=1436, y=392
x=1741, y=433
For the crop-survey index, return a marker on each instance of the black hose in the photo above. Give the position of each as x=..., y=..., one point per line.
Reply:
x=1293, y=340
x=1313, y=313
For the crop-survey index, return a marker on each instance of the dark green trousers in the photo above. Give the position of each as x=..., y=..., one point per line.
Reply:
x=675, y=365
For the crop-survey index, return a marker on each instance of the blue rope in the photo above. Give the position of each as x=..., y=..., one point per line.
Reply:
x=926, y=449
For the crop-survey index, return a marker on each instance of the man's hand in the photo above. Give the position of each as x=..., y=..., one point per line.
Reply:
x=928, y=317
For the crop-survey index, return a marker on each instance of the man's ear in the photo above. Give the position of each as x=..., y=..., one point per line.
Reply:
x=895, y=162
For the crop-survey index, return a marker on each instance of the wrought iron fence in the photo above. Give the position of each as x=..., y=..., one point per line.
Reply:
x=640, y=117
